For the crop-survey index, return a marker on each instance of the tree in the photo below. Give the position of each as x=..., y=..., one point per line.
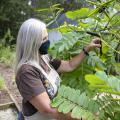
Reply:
x=12, y=14
x=95, y=84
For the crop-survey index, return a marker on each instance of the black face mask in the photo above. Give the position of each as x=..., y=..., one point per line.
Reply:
x=44, y=47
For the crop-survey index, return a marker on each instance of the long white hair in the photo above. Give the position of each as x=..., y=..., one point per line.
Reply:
x=29, y=39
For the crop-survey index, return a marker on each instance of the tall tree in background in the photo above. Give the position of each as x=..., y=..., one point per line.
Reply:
x=12, y=13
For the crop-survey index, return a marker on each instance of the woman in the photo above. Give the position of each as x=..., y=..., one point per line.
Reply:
x=37, y=74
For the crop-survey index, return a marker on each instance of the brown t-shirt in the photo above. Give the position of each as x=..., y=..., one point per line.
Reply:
x=29, y=82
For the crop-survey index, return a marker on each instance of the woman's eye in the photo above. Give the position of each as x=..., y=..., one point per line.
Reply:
x=45, y=38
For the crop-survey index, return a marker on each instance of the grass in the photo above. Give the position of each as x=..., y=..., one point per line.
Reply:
x=2, y=83
x=7, y=56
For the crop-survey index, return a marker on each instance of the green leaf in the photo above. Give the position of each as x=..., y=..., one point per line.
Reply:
x=82, y=98
x=91, y=106
x=73, y=96
x=41, y=10
x=61, y=90
x=62, y=106
x=114, y=83
x=68, y=107
x=117, y=109
x=57, y=101
x=106, y=3
x=94, y=80
x=93, y=3
x=84, y=25
x=102, y=75
x=82, y=13
x=85, y=115
x=104, y=48
x=93, y=12
x=76, y=112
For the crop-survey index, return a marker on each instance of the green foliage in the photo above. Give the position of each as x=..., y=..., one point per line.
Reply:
x=112, y=81
x=53, y=11
x=7, y=40
x=101, y=8
x=7, y=50
x=103, y=82
x=2, y=83
x=78, y=14
x=54, y=8
x=102, y=86
x=12, y=14
x=7, y=56
x=109, y=106
x=72, y=45
x=94, y=61
x=69, y=41
x=76, y=80
x=79, y=104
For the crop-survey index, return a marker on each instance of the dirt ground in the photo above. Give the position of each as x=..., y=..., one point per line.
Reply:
x=8, y=75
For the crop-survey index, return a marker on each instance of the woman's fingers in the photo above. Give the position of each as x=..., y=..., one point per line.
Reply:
x=97, y=45
x=96, y=40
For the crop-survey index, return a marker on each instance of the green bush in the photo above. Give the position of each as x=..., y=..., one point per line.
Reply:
x=7, y=56
x=99, y=75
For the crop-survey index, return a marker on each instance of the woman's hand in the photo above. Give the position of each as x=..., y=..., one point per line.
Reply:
x=69, y=66
x=95, y=43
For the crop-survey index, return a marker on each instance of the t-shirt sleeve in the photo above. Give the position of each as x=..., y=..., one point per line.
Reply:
x=30, y=85
x=55, y=63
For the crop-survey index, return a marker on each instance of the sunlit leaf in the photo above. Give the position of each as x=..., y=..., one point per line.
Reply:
x=82, y=13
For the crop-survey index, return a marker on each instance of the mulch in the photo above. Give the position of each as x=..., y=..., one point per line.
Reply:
x=4, y=97
x=8, y=75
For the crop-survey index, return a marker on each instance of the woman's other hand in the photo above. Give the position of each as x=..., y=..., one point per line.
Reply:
x=95, y=43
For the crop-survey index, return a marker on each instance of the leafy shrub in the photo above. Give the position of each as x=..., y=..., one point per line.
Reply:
x=98, y=77
x=7, y=54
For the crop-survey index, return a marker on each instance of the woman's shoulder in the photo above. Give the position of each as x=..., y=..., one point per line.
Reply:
x=28, y=69
x=29, y=82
